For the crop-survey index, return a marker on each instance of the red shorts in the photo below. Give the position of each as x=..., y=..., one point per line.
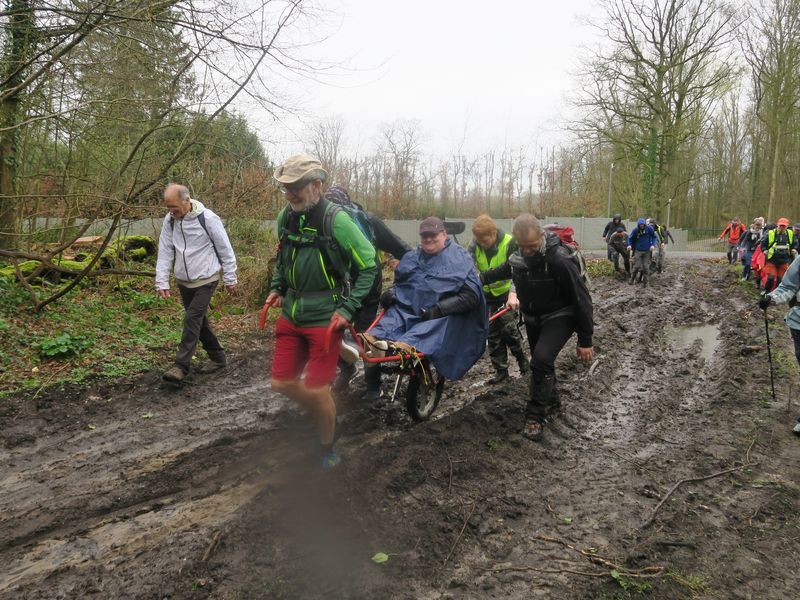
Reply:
x=774, y=270
x=297, y=348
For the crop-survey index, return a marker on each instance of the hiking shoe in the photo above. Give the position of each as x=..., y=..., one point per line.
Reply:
x=533, y=429
x=330, y=460
x=524, y=366
x=372, y=395
x=213, y=365
x=796, y=429
x=499, y=377
x=345, y=376
x=174, y=375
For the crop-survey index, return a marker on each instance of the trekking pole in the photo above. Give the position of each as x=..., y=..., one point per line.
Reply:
x=769, y=357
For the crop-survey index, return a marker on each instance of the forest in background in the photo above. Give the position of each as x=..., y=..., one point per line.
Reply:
x=103, y=102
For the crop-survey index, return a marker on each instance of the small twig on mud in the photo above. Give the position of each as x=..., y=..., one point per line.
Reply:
x=593, y=368
x=450, y=481
x=652, y=517
x=460, y=533
x=50, y=379
x=750, y=447
x=554, y=571
x=599, y=560
x=214, y=541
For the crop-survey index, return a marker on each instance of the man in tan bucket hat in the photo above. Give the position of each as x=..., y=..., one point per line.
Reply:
x=321, y=250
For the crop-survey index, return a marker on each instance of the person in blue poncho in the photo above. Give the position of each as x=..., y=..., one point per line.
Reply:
x=437, y=303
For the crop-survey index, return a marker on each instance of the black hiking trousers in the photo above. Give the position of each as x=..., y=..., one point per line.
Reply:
x=196, y=326
x=546, y=341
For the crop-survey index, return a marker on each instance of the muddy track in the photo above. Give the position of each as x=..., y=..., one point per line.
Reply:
x=130, y=491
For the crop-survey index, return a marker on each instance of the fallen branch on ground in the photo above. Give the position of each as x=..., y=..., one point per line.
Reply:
x=599, y=560
x=460, y=533
x=214, y=542
x=652, y=517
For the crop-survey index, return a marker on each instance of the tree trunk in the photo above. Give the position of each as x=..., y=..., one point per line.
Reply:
x=18, y=47
x=773, y=178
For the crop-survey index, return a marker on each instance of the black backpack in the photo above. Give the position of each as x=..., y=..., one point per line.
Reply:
x=333, y=255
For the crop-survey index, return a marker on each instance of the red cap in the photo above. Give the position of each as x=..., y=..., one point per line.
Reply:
x=783, y=221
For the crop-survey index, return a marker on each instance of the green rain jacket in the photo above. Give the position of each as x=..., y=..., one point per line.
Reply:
x=314, y=268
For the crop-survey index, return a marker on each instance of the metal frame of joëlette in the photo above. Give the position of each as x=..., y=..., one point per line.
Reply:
x=397, y=357
x=262, y=322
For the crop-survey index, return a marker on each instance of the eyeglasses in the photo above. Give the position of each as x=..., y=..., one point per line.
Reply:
x=292, y=188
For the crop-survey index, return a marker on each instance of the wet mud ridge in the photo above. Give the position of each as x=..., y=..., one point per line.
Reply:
x=669, y=474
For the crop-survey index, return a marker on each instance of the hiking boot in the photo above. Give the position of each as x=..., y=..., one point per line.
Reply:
x=632, y=279
x=345, y=376
x=213, y=365
x=524, y=366
x=372, y=395
x=533, y=429
x=499, y=377
x=330, y=460
x=174, y=375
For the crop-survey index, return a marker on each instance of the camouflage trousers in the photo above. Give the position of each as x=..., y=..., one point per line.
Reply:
x=503, y=334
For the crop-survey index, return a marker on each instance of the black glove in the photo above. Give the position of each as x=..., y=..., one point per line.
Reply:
x=764, y=302
x=433, y=312
x=388, y=298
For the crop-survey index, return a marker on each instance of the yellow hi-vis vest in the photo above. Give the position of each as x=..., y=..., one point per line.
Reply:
x=497, y=288
x=771, y=247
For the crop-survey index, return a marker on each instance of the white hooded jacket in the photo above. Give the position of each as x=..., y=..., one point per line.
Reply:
x=185, y=245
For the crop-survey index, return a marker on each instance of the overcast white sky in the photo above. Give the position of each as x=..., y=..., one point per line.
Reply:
x=499, y=70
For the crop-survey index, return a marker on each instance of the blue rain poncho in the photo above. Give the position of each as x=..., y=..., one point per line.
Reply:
x=453, y=343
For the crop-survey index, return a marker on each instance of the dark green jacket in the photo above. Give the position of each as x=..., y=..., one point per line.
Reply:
x=313, y=281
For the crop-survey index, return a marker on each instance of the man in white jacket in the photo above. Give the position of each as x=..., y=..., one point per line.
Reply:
x=194, y=244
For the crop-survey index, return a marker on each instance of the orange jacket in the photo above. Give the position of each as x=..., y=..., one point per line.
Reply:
x=734, y=232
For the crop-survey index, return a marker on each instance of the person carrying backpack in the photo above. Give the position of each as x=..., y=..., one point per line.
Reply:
x=609, y=230
x=491, y=248
x=779, y=247
x=194, y=245
x=618, y=246
x=325, y=268
x=748, y=244
x=641, y=242
x=788, y=292
x=663, y=235
x=554, y=300
x=733, y=231
x=385, y=240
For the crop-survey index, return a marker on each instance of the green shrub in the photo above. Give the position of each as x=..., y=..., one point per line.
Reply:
x=62, y=345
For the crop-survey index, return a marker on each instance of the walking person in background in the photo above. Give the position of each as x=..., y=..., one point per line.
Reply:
x=321, y=251
x=733, y=231
x=748, y=244
x=788, y=292
x=618, y=246
x=779, y=247
x=491, y=248
x=194, y=245
x=641, y=242
x=610, y=228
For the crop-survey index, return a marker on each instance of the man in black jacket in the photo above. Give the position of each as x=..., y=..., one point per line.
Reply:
x=555, y=303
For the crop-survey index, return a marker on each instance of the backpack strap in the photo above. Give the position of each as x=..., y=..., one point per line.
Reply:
x=325, y=241
x=201, y=218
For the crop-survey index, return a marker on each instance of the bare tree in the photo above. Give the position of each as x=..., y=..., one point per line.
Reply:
x=668, y=64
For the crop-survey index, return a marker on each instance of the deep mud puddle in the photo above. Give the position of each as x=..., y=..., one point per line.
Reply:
x=684, y=337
